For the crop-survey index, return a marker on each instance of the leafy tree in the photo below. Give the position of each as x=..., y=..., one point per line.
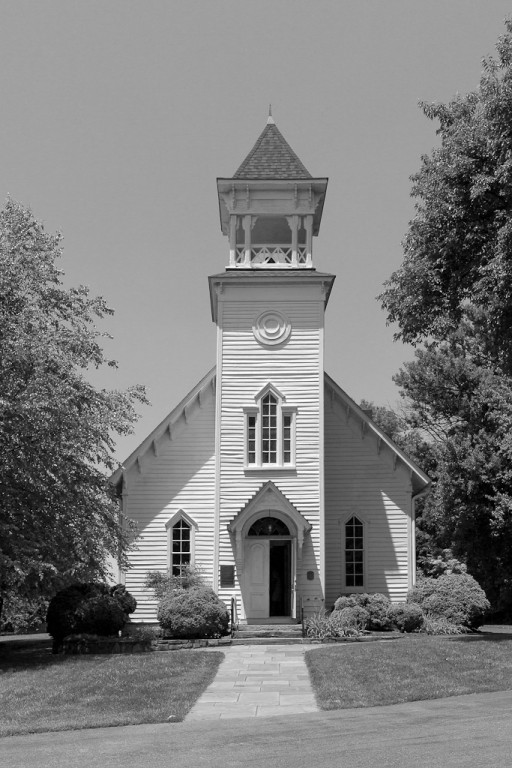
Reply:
x=59, y=520
x=466, y=408
x=458, y=262
x=452, y=298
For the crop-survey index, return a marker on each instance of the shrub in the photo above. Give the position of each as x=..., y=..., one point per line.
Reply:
x=164, y=584
x=439, y=625
x=94, y=607
x=378, y=607
x=126, y=601
x=457, y=597
x=20, y=614
x=345, y=601
x=348, y=622
x=407, y=617
x=318, y=626
x=352, y=617
x=101, y=615
x=194, y=612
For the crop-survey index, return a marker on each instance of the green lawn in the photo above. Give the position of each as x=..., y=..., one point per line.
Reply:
x=409, y=669
x=41, y=692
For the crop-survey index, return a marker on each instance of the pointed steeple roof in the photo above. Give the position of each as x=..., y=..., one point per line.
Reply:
x=272, y=158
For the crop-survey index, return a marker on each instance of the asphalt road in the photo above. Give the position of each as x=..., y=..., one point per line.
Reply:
x=465, y=731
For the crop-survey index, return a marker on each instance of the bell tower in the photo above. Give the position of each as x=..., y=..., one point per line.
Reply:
x=271, y=208
x=269, y=306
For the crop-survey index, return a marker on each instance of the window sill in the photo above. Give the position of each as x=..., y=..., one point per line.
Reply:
x=267, y=469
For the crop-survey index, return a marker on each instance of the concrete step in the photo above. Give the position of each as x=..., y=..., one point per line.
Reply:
x=266, y=632
x=269, y=640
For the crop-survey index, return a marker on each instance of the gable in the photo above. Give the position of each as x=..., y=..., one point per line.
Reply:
x=377, y=441
x=169, y=428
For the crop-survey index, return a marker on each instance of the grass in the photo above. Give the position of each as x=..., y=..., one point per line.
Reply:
x=413, y=668
x=41, y=692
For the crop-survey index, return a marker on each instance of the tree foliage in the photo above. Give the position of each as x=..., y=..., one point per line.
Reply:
x=458, y=248
x=452, y=298
x=59, y=520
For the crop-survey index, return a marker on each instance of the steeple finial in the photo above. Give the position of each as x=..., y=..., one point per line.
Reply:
x=270, y=119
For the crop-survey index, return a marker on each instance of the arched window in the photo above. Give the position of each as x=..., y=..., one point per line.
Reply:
x=181, y=532
x=268, y=526
x=270, y=431
x=354, y=553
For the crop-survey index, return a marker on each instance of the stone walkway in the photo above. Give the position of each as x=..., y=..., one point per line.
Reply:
x=258, y=681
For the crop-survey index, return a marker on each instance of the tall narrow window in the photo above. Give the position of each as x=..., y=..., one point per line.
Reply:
x=354, y=553
x=251, y=439
x=270, y=431
x=181, y=546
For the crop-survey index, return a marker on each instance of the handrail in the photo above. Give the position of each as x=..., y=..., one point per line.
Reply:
x=234, y=616
x=302, y=617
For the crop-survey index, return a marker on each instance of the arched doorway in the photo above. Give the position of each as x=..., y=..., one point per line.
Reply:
x=269, y=550
x=267, y=536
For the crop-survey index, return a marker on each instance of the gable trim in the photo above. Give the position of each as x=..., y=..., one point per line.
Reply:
x=419, y=480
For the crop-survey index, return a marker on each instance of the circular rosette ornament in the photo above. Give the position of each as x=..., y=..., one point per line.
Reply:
x=272, y=328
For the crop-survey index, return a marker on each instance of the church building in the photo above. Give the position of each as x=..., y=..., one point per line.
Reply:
x=267, y=475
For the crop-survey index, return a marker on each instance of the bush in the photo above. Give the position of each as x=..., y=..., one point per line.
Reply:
x=347, y=622
x=439, y=625
x=407, y=617
x=94, y=607
x=352, y=617
x=101, y=615
x=345, y=601
x=192, y=613
x=378, y=607
x=20, y=614
x=126, y=601
x=165, y=584
x=457, y=597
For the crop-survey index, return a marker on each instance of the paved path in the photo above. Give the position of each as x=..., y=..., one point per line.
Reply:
x=258, y=681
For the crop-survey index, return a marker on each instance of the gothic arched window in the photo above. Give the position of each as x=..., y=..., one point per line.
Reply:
x=270, y=431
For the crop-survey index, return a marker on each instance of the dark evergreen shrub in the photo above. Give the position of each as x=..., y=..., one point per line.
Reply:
x=457, y=597
x=407, y=617
x=69, y=611
x=101, y=615
x=192, y=613
x=125, y=599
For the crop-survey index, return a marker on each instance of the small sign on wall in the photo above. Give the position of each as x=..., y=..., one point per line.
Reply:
x=227, y=576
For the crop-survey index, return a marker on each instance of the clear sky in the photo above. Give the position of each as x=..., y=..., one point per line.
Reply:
x=117, y=117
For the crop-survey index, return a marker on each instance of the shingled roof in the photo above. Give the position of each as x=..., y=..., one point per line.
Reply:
x=272, y=158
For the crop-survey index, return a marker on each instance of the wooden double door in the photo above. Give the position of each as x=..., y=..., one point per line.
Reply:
x=268, y=578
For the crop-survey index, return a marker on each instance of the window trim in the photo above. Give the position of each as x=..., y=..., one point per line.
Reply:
x=344, y=522
x=180, y=515
x=282, y=410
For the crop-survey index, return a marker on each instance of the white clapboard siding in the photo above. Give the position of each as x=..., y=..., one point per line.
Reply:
x=295, y=369
x=363, y=481
x=180, y=477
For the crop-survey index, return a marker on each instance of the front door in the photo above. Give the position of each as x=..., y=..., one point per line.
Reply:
x=268, y=578
x=257, y=570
